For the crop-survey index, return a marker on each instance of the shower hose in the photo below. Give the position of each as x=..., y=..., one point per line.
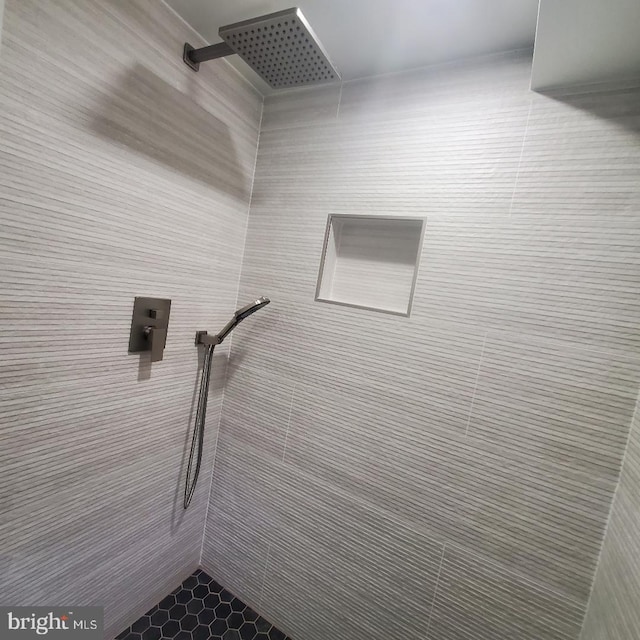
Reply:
x=197, y=440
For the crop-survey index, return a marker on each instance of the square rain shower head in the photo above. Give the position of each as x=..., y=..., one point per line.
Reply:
x=282, y=49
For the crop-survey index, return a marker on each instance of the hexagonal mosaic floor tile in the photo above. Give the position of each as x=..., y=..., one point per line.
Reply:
x=200, y=609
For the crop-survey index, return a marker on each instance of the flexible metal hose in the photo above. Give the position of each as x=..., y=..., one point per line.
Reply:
x=197, y=441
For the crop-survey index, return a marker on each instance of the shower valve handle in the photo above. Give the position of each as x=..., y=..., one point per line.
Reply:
x=156, y=338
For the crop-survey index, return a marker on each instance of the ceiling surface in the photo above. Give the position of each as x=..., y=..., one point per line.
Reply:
x=370, y=37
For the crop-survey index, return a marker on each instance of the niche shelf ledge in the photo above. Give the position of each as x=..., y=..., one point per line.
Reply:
x=371, y=262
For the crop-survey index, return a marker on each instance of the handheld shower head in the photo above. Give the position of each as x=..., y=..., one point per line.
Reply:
x=197, y=441
x=252, y=307
x=244, y=312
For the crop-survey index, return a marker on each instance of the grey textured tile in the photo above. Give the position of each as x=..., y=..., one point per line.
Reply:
x=375, y=576
x=330, y=590
x=427, y=371
x=1, y=18
x=241, y=519
x=419, y=143
x=567, y=404
x=357, y=533
x=559, y=276
x=581, y=155
x=245, y=482
x=100, y=124
x=301, y=107
x=565, y=410
x=405, y=434
x=459, y=86
x=524, y=319
x=529, y=514
x=479, y=601
x=235, y=556
x=613, y=608
x=446, y=163
x=258, y=503
x=256, y=407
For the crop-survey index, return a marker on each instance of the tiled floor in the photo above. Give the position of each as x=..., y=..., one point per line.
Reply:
x=200, y=609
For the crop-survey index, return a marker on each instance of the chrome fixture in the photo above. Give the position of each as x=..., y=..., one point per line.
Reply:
x=202, y=337
x=210, y=342
x=149, y=325
x=280, y=47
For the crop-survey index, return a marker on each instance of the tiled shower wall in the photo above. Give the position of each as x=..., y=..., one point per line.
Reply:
x=123, y=173
x=448, y=475
x=1, y=16
x=613, y=609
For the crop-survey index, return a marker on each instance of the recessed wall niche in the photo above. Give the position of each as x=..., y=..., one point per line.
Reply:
x=371, y=262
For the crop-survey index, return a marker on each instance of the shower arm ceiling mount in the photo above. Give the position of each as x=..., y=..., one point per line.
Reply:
x=280, y=47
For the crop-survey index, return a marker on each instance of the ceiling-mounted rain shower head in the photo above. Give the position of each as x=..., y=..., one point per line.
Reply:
x=280, y=47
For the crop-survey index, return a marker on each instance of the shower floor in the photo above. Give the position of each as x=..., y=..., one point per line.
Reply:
x=200, y=609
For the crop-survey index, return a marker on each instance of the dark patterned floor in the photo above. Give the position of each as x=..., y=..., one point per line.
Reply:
x=200, y=609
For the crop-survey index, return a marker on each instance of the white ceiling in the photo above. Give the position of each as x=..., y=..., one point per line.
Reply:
x=584, y=41
x=369, y=37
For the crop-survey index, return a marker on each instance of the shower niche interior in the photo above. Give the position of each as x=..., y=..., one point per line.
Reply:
x=371, y=262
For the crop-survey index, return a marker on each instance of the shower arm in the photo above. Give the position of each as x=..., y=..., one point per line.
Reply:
x=193, y=57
